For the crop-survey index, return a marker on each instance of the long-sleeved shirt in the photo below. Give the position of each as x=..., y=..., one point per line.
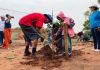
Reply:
x=95, y=19
x=34, y=19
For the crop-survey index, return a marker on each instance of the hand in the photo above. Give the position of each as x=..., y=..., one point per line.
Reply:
x=55, y=35
x=55, y=41
x=98, y=29
x=12, y=17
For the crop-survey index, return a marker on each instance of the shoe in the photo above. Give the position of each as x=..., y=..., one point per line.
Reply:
x=70, y=56
x=10, y=42
x=27, y=54
x=97, y=50
x=94, y=49
x=64, y=54
x=33, y=55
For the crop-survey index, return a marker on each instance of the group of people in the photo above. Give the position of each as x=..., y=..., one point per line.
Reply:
x=31, y=25
x=5, y=31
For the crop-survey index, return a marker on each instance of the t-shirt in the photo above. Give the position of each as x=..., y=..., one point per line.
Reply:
x=2, y=25
x=34, y=19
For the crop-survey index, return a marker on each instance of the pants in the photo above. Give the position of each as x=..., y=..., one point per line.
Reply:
x=96, y=38
x=30, y=33
x=49, y=37
x=1, y=38
x=7, y=37
x=69, y=45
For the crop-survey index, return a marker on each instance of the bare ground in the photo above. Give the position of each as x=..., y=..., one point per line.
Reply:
x=83, y=58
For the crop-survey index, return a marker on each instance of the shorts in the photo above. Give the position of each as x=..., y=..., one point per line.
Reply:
x=30, y=33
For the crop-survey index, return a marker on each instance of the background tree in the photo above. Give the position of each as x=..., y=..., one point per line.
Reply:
x=86, y=24
x=99, y=1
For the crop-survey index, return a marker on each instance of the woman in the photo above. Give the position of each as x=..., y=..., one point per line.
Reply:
x=66, y=20
x=7, y=32
x=95, y=26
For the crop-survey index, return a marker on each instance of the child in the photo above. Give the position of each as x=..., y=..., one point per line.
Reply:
x=66, y=20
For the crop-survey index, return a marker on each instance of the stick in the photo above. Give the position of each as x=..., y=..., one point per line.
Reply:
x=66, y=40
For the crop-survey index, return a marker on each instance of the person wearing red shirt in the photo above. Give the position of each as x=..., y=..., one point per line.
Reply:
x=31, y=25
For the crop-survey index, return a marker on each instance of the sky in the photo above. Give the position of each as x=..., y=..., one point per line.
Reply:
x=71, y=8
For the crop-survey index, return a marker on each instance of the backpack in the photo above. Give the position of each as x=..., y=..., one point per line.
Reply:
x=72, y=23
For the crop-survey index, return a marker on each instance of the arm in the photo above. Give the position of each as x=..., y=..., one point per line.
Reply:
x=39, y=25
x=9, y=18
x=99, y=14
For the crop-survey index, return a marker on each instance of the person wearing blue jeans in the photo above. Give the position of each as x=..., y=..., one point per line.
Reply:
x=95, y=26
x=96, y=38
x=2, y=25
x=49, y=37
x=69, y=46
x=1, y=38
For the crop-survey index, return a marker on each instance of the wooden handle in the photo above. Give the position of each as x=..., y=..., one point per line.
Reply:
x=65, y=28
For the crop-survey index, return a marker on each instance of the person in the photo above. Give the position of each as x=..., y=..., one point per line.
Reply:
x=95, y=26
x=57, y=41
x=2, y=24
x=80, y=35
x=7, y=32
x=85, y=37
x=31, y=25
x=49, y=31
x=65, y=20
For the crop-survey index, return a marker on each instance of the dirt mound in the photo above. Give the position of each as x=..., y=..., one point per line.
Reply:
x=77, y=53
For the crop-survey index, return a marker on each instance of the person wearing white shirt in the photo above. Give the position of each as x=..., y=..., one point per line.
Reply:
x=2, y=25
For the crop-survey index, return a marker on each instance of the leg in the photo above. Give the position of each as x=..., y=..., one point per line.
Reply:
x=63, y=46
x=27, y=44
x=6, y=36
x=34, y=45
x=9, y=35
x=98, y=38
x=94, y=38
x=27, y=40
x=26, y=52
x=0, y=38
x=69, y=46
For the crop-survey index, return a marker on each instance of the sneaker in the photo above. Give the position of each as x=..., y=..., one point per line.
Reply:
x=97, y=50
x=27, y=54
x=93, y=49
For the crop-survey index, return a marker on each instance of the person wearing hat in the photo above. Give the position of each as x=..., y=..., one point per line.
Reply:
x=31, y=25
x=95, y=26
x=2, y=25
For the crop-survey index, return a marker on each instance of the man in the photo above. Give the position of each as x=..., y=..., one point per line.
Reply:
x=31, y=25
x=7, y=31
x=2, y=24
